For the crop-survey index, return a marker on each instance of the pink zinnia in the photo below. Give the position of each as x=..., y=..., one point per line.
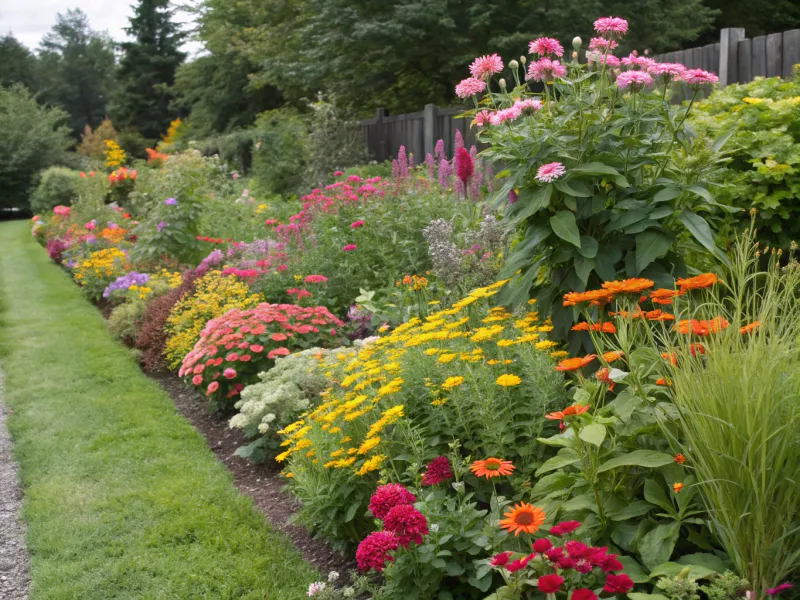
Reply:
x=277, y=352
x=545, y=69
x=531, y=105
x=611, y=27
x=483, y=118
x=316, y=278
x=407, y=523
x=197, y=379
x=349, y=247
x=544, y=46
x=386, y=497
x=598, y=43
x=635, y=80
x=507, y=114
x=634, y=60
x=699, y=77
x=666, y=72
x=256, y=348
x=470, y=87
x=599, y=57
x=356, y=224
x=464, y=166
x=229, y=373
x=338, y=173
x=486, y=66
x=565, y=527
x=550, y=172
x=212, y=387
x=373, y=551
x=436, y=471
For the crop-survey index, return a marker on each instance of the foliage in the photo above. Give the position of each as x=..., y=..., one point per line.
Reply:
x=762, y=118
x=212, y=296
x=126, y=319
x=170, y=231
x=280, y=151
x=742, y=397
x=57, y=185
x=335, y=142
x=99, y=269
x=17, y=64
x=31, y=138
x=93, y=141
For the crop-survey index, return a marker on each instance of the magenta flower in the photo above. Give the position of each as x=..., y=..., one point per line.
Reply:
x=550, y=172
x=438, y=150
x=349, y=247
x=402, y=162
x=777, y=590
x=315, y=279
x=529, y=106
x=338, y=173
x=464, y=166
x=374, y=550
x=470, y=87
x=229, y=373
x=634, y=60
x=698, y=78
x=436, y=471
x=444, y=174
x=544, y=46
x=357, y=224
x=407, y=523
x=513, y=196
x=486, y=66
x=170, y=202
x=611, y=27
x=507, y=114
x=600, y=58
x=545, y=69
x=636, y=80
x=598, y=43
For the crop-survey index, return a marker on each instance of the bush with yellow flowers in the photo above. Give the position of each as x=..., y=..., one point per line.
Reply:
x=472, y=373
x=214, y=294
x=95, y=272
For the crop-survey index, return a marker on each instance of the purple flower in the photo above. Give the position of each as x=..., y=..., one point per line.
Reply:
x=161, y=225
x=170, y=202
x=126, y=281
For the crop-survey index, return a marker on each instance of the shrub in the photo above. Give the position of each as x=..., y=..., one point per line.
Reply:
x=99, y=269
x=212, y=296
x=141, y=286
x=280, y=152
x=93, y=142
x=125, y=320
x=57, y=186
x=240, y=343
x=32, y=138
x=171, y=230
x=334, y=144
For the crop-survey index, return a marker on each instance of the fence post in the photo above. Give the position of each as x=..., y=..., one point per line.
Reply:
x=428, y=130
x=380, y=132
x=729, y=39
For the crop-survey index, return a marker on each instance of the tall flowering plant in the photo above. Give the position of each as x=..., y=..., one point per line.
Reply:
x=603, y=179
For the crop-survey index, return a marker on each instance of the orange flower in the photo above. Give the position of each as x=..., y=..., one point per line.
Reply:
x=748, y=328
x=696, y=349
x=664, y=296
x=664, y=382
x=695, y=283
x=679, y=458
x=657, y=315
x=602, y=377
x=636, y=314
x=702, y=327
x=573, y=364
x=594, y=297
x=677, y=487
x=604, y=327
x=491, y=467
x=522, y=518
x=673, y=360
x=570, y=411
x=627, y=286
x=613, y=355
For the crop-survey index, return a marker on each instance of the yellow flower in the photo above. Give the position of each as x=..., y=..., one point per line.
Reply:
x=394, y=386
x=439, y=401
x=508, y=380
x=371, y=465
x=559, y=354
x=431, y=351
x=452, y=382
x=368, y=444
x=446, y=358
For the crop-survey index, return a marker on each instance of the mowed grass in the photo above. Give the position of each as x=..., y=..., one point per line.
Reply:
x=122, y=498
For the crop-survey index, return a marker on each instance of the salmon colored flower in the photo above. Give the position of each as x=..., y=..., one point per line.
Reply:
x=604, y=327
x=602, y=377
x=751, y=327
x=679, y=458
x=574, y=410
x=491, y=467
x=522, y=518
x=698, y=282
x=613, y=355
x=573, y=364
x=628, y=286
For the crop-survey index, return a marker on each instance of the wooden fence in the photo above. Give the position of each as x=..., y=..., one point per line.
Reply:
x=735, y=59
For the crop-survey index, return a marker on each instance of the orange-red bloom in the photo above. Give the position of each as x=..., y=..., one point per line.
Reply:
x=664, y=382
x=602, y=377
x=604, y=327
x=491, y=467
x=696, y=349
x=636, y=314
x=695, y=283
x=677, y=487
x=658, y=315
x=522, y=518
x=679, y=458
x=673, y=360
x=701, y=327
x=628, y=286
x=570, y=411
x=612, y=355
x=748, y=328
x=594, y=297
x=573, y=364
x=664, y=296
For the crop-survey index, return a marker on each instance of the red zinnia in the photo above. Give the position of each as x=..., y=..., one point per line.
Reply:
x=549, y=584
x=583, y=594
x=373, y=551
x=617, y=584
x=564, y=528
x=437, y=471
x=542, y=545
x=407, y=523
x=500, y=560
x=386, y=497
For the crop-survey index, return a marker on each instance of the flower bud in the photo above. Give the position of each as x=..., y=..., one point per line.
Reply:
x=576, y=42
x=574, y=56
x=502, y=84
x=523, y=59
x=513, y=64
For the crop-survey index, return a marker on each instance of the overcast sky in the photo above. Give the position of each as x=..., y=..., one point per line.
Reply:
x=29, y=20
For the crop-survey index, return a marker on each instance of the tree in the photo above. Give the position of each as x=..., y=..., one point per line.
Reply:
x=147, y=69
x=17, y=64
x=758, y=17
x=77, y=69
x=32, y=137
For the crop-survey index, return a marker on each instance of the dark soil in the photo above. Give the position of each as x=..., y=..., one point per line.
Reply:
x=260, y=482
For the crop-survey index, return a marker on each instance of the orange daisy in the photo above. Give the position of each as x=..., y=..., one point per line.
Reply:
x=696, y=349
x=602, y=376
x=522, y=518
x=664, y=296
x=702, y=327
x=574, y=410
x=748, y=328
x=491, y=467
x=670, y=356
x=573, y=364
x=695, y=283
x=604, y=327
x=613, y=355
x=627, y=286
x=658, y=315
x=636, y=314
x=594, y=297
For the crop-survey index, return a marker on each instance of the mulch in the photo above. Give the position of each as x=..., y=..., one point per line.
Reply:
x=258, y=481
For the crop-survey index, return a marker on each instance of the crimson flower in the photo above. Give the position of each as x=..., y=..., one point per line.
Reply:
x=617, y=584
x=549, y=584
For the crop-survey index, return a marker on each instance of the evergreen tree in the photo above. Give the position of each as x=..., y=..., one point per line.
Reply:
x=17, y=64
x=147, y=69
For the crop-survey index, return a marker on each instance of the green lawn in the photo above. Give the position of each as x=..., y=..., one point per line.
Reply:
x=122, y=497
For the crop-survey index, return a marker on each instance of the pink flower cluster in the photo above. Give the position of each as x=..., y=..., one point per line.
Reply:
x=636, y=80
x=62, y=211
x=248, y=340
x=611, y=27
x=545, y=69
x=436, y=471
x=545, y=46
x=470, y=87
x=484, y=67
x=633, y=60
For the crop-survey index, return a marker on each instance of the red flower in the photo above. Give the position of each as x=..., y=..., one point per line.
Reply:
x=549, y=584
x=617, y=584
x=386, y=497
x=407, y=523
x=436, y=471
x=373, y=551
x=500, y=560
x=583, y=594
x=519, y=563
x=464, y=166
x=576, y=549
x=564, y=528
x=542, y=545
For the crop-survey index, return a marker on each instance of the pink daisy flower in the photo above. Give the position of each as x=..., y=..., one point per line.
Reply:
x=545, y=69
x=598, y=43
x=635, y=80
x=600, y=58
x=531, y=105
x=544, y=46
x=699, y=77
x=507, y=114
x=357, y=224
x=666, y=72
x=470, y=87
x=611, y=27
x=550, y=172
x=486, y=66
x=634, y=60
x=483, y=118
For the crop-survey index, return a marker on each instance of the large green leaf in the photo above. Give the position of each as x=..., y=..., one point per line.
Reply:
x=654, y=492
x=528, y=203
x=583, y=267
x=668, y=193
x=630, y=510
x=564, y=458
x=623, y=218
x=588, y=246
x=701, y=231
x=551, y=483
x=596, y=168
x=565, y=227
x=633, y=569
x=637, y=458
x=671, y=569
x=656, y=546
x=704, y=559
x=593, y=434
x=650, y=245
x=577, y=189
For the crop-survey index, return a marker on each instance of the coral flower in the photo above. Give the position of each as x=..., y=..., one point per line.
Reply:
x=695, y=283
x=748, y=328
x=573, y=364
x=628, y=286
x=575, y=409
x=491, y=467
x=523, y=518
x=670, y=356
x=613, y=355
x=663, y=382
x=658, y=315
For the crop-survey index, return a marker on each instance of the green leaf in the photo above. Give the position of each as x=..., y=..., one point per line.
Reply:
x=637, y=458
x=704, y=559
x=582, y=502
x=565, y=227
x=624, y=218
x=593, y=434
x=650, y=245
x=654, y=492
x=702, y=192
x=629, y=511
x=583, y=267
x=641, y=596
x=564, y=458
x=577, y=190
x=351, y=512
x=699, y=228
x=656, y=546
x=553, y=482
x=588, y=246
x=528, y=203
x=668, y=193
x=562, y=440
x=671, y=569
x=633, y=569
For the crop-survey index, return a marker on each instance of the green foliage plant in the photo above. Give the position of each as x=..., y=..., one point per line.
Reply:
x=57, y=186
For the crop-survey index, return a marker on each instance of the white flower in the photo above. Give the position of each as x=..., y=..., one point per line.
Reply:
x=315, y=588
x=434, y=528
x=348, y=592
x=333, y=576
